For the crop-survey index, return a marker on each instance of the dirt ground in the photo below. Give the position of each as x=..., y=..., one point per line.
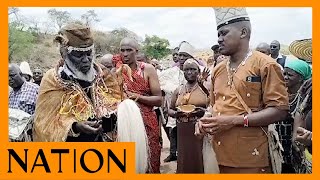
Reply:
x=166, y=168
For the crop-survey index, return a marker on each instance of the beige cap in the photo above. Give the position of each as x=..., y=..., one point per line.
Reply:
x=229, y=15
x=187, y=48
x=25, y=68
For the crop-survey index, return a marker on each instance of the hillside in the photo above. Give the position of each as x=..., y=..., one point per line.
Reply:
x=45, y=54
x=39, y=50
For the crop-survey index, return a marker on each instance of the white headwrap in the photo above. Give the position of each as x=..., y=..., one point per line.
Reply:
x=192, y=61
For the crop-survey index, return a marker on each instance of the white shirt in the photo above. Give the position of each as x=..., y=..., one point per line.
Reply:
x=279, y=57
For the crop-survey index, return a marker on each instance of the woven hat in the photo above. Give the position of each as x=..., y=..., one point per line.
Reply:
x=302, y=49
x=225, y=16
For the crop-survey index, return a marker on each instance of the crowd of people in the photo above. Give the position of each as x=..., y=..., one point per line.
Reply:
x=252, y=106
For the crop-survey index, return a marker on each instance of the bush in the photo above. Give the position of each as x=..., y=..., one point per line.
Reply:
x=156, y=47
x=20, y=43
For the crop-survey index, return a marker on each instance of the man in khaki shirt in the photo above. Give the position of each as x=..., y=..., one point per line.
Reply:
x=240, y=144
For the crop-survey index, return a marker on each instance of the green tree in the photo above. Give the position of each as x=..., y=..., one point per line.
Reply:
x=20, y=43
x=156, y=47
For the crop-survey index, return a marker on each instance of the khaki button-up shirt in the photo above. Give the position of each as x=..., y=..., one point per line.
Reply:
x=260, y=83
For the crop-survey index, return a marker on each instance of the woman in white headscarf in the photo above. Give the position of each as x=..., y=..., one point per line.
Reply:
x=188, y=104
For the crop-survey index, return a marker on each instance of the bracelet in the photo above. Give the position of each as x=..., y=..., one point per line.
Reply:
x=245, y=121
x=137, y=97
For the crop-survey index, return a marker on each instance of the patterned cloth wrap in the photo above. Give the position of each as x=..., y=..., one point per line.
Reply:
x=62, y=102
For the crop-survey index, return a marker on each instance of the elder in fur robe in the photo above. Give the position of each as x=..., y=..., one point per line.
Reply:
x=77, y=93
x=80, y=101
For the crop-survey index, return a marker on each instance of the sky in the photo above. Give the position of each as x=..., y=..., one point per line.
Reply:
x=195, y=25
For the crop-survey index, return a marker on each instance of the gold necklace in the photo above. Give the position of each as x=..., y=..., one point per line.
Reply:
x=232, y=71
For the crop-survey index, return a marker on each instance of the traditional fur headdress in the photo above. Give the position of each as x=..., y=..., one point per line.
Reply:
x=75, y=37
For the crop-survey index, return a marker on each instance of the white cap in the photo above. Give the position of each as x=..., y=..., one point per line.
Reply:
x=229, y=15
x=25, y=68
x=107, y=56
x=186, y=48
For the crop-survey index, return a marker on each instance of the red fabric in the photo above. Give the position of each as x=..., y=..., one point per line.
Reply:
x=117, y=59
x=140, y=86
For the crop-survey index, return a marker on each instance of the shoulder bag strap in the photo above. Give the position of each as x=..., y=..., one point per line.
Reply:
x=246, y=107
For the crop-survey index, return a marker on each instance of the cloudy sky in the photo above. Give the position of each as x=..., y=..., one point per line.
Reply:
x=195, y=25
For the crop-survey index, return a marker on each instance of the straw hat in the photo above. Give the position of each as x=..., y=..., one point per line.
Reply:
x=302, y=49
